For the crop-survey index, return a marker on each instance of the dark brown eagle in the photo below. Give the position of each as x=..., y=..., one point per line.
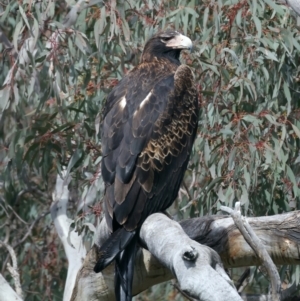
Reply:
x=149, y=126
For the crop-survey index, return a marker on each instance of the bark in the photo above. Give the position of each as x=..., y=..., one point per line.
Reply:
x=6, y=291
x=279, y=234
x=198, y=269
x=72, y=242
x=295, y=5
x=13, y=269
x=258, y=247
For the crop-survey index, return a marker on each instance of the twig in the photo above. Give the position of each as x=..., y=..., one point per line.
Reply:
x=31, y=227
x=241, y=283
x=259, y=249
x=16, y=215
x=14, y=271
x=187, y=191
x=183, y=293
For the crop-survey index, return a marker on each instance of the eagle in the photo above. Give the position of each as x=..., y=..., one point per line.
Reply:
x=149, y=125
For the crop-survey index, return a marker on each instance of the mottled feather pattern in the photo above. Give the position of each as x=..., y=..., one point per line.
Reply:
x=148, y=129
x=145, y=136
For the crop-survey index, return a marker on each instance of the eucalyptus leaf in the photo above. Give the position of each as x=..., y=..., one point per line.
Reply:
x=17, y=34
x=245, y=65
x=4, y=98
x=76, y=157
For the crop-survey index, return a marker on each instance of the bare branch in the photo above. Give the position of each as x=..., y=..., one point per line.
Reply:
x=286, y=295
x=72, y=242
x=198, y=269
x=13, y=211
x=31, y=227
x=280, y=234
x=295, y=5
x=258, y=247
x=14, y=271
x=243, y=280
x=6, y=292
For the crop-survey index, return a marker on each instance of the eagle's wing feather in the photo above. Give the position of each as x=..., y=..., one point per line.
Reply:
x=165, y=157
x=125, y=126
x=148, y=140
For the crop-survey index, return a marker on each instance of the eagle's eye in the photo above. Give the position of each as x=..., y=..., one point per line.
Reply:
x=166, y=39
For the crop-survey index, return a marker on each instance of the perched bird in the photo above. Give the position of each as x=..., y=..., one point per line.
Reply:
x=149, y=126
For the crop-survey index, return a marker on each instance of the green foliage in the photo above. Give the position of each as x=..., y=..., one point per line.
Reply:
x=57, y=69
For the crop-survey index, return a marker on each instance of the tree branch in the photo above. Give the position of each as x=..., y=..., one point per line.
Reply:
x=177, y=250
x=31, y=227
x=197, y=268
x=14, y=271
x=280, y=235
x=258, y=248
x=295, y=5
x=72, y=242
x=6, y=292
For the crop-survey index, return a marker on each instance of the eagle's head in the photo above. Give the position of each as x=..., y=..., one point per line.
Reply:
x=166, y=44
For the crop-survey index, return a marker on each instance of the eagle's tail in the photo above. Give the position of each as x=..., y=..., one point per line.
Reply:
x=124, y=271
x=121, y=245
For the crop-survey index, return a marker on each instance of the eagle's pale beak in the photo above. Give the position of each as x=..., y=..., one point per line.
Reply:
x=180, y=42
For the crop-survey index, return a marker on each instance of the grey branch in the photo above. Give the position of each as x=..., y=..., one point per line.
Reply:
x=198, y=269
x=72, y=242
x=279, y=233
x=6, y=292
x=258, y=248
x=177, y=249
x=295, y=5
x=14, y=271
x=31, y=227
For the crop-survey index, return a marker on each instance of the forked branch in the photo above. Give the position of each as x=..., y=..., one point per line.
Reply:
x=259, y=249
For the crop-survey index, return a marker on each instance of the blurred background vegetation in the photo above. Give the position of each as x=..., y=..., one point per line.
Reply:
x=58, y=62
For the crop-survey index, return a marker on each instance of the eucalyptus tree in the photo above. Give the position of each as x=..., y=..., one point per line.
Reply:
x=59, y=60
